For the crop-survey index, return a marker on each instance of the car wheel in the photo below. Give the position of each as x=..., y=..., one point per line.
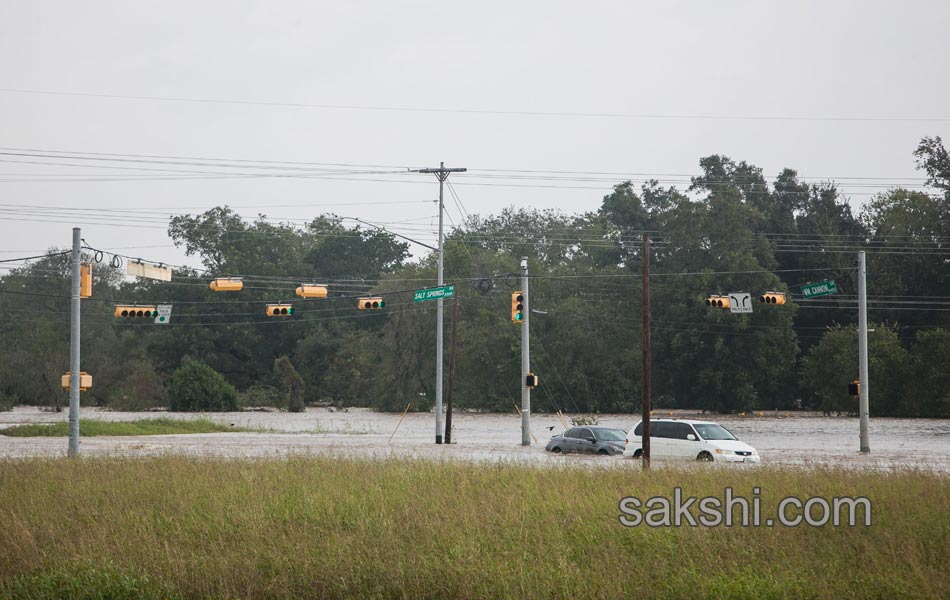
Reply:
x=704, y=457
x=603, y=452
x=638, y=453
x=556, y=450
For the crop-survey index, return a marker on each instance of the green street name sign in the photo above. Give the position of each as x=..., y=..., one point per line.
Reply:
x=824, y=288
x=446, y=291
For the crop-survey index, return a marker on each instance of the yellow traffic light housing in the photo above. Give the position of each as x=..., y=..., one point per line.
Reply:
x=370, y=303
x=312, y=291
x=85, y=381
x=772, y=298
x=531, y=381
x=85, y=280
x=854, y=388
x=280, y=310
x=718, y=301
x=517, y=307
x=133, y=312
x=226, y=284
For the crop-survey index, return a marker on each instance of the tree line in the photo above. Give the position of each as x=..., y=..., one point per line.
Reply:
x=730, y=230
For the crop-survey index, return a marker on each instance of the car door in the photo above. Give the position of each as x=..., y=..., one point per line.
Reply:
x=660, y=446
x=570, y=440
x=680, y=446
x=586, y=442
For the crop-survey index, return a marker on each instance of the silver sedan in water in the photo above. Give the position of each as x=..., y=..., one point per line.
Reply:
x=589, y=440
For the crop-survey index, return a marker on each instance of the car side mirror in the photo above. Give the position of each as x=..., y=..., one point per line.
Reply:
x=691, y=437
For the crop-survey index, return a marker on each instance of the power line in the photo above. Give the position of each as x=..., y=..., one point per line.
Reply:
x=476, y=111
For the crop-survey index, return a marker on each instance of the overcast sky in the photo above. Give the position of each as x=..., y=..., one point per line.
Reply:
x=317, y=82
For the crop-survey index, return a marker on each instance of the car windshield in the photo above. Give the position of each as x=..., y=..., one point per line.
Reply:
x=610, y=435
x=713, y=432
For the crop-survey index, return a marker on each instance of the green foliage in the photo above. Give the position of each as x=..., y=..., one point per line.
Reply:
x=329, y=527
x=293, y=384
x=581, y=420
x=262, y=396
x=87, y=580
x=833, y=363
x=7, y=401
x=734, y=229
x=197, y=387
x=93, y=428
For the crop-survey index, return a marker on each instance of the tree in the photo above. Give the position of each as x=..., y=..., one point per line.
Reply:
x=293, y=384
x=197, y=387
x=933, y=158
x=833, y=363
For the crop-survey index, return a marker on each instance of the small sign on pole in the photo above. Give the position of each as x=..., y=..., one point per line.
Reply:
x=444, y=292
x=149, y=271
x=740, y=302
x=164, y=314
x=822, y=288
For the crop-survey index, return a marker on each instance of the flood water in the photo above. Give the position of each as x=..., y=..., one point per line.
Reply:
x=793, y=439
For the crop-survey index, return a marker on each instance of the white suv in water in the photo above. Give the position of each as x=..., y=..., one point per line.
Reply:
x=689, y=440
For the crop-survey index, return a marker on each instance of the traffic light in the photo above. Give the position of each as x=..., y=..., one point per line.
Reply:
x=374, y=303
x=226, y=284
x=772, y=298
x=718, y=301
x=85, y=381
x=85, y=280
x=854, y=388
x=531, y=380
x=517, y=307
x=312, y=291
x=133, y=312
x=280, y=310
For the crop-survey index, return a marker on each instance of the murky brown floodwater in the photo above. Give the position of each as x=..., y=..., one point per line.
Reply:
x=781, y=438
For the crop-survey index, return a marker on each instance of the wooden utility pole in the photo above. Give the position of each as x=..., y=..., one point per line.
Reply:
x=448, y=400
x=645, y=437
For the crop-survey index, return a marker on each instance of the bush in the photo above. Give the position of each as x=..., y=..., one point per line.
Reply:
x=262, y=396
x=7, y=401
x=139, y=389
x=197, y=387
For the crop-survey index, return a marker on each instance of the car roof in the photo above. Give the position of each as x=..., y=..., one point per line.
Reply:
x=689, y=421
x=594, y=427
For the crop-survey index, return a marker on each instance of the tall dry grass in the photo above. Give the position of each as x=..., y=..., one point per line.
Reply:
x=344, y=528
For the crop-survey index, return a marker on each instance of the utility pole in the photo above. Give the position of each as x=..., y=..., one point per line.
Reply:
x=863, y=350
x=448, y=402
x=75, y=305
x=525, y=359
x=645, y=432
x=442, y=174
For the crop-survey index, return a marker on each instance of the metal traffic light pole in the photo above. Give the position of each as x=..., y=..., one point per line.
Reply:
x=863, y=350
x=442, y=174
x=525, y=359
x=75, y=305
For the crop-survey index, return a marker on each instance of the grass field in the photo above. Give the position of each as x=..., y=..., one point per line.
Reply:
x=340, y=528
x=94, y=428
